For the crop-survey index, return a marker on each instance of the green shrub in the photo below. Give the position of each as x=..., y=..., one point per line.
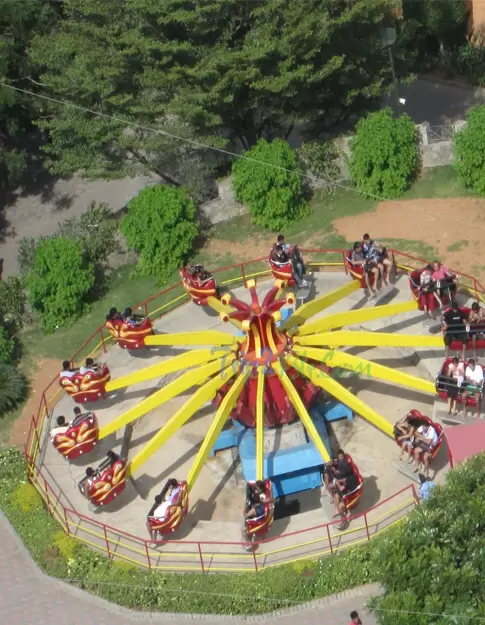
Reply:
x=26, y=255
x=384, y=154
x=433, y=562
x=321, y=159
x=267, y=180
x=13, y=387
x=470, y=151
x=67, y=547
x=7, y=345
x=59, y=282
x=12, y=301
x=161, y=225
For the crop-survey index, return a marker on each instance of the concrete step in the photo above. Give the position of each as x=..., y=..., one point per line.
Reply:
x=406, y=469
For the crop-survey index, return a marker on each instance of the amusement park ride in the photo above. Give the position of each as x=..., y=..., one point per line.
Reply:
x=266, y=374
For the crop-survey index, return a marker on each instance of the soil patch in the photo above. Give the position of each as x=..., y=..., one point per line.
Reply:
x=47, y=369
x=247, y=250
x=455, y=227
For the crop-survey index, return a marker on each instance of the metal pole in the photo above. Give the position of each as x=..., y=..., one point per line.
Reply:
x=394, y=80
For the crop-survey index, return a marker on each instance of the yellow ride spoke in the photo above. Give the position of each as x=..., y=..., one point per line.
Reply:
x=366, y=367
x=319, y=378
x=301, y=410
x=219, y=307
x=369, y=339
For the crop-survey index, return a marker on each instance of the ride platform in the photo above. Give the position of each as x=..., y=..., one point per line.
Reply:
x=406, y=469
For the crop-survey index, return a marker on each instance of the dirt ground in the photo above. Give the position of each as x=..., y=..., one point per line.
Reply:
x=247, y=250
x=455, y=227
x=47, y=369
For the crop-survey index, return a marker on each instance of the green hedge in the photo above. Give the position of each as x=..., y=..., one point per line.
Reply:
x=126, y=585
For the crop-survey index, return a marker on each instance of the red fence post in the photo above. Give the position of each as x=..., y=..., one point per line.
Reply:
x=329, y=540
x=148, y=556
x=106, y=540
x=366, y=526
x=201, y=558
x=102, y=339
x=146, y=309
x=243, y=274
x=345, y=264
x=254, y=556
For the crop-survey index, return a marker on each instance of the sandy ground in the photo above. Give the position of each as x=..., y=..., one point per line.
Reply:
x=454, y=227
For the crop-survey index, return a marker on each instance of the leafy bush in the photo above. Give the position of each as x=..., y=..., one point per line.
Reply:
x=321, y=160
x=433, y=563
x=26, y=497
x=12, y=301
x=160, y=591
x=26, y=255
x=384, y=154
x=7, y=345
x=59, y=282
x=13, y=387
x=161, y=225
x=267, y=180
x=470, y=151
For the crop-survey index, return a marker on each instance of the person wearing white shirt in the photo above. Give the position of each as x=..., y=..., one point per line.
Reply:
x=473, y=385
x=61, y=427
x=425, y=440
x=67, y=372
x=88, y=367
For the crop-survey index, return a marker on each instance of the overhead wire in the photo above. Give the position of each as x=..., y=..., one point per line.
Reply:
x=193, y=142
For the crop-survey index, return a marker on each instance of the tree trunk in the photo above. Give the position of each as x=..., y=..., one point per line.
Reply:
x=164, y=176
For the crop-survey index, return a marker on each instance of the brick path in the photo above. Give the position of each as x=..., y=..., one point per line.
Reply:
x=27, y=597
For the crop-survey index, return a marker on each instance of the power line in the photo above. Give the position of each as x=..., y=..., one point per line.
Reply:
x=193, y=142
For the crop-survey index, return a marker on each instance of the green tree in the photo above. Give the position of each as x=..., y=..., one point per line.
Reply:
x=384, y=154
x=206, y=70
x=470, y=151
x=161, y=225
x=268, y=181
x=12, y=301
x=60, y=281
x=321, y=159
x=13, y=387
x=445, y=20
x=20, y=21
x=433, y=564
x=7, y=345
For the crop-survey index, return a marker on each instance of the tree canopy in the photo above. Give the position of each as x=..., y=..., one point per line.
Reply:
x=470, y=151
x=205, y=70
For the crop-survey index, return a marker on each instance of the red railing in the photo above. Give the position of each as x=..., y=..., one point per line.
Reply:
x=65, y=514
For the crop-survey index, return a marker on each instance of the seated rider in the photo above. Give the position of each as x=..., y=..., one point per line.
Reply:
x=473, y=385
x=344, y=486
x=67, y=370
x=130, y=318
x=425, y=441
x=298, y=267
x=454, y=328
x=61, y=427
x=257, y=501
x=404, y=431
x=369, y=267
x=446, y=279
x=165, y=499
x=78, y=415
x=200, y=273
x=280, y=241
x=453, y=378
x=337, y=468
x=89, y=366
x=113, y=457
x=91, y=475
x=114, y=315
x=476, y=319
x=427, y=289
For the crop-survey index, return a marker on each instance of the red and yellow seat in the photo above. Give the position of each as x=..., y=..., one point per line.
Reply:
x=198, y=290
x=86, y=387
x=79, y=439
x=130, y=335
x=109, y=483
x=175, y=515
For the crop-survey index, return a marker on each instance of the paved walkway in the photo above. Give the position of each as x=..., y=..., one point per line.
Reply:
x=28, y=597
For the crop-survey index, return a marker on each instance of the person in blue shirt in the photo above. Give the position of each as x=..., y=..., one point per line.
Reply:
x=426, y=487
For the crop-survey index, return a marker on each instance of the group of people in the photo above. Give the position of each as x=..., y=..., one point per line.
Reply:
x=68, y=371
x=436, y=282
x=283, y=253
x=256, y=500
x=340, y=480
x=417, y=441
x=163, y=502
x=197, y=272
x=62, y=425
x=458, y=326
x=92, y=474
x=465, y=380
x=127, y=317
x=374, y=260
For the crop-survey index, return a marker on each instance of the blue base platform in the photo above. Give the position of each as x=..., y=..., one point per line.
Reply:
x=291, y=470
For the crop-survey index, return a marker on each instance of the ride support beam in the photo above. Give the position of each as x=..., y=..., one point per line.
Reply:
x=354, y=317
x=323, y=380
x=301, y=410
x=202, y=396
x=171, y=365
x=183, y=383
x=203, y=337
x=368, y=339
x=312, y=308
x=365, y=367
x=260, y=424
x=217, y=424
x=219, y=307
